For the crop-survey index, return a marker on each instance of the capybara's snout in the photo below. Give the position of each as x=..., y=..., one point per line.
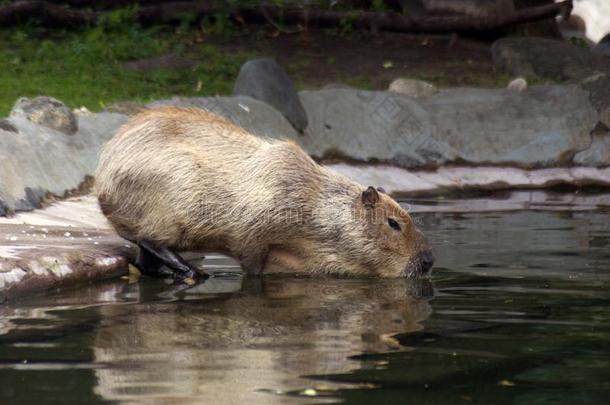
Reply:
x=424, y=261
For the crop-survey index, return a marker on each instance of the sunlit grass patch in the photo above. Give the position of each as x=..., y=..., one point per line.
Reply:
x=86, y=68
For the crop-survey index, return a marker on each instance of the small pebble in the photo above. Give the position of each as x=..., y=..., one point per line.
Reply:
x=310, y=392
x=519, y=84
x=133, y=270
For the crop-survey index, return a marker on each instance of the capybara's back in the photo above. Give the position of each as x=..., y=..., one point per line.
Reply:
x=155, y=173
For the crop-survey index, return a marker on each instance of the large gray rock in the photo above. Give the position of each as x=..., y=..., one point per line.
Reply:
x=38, y=160
x=603, y=46
x=253, y=115
x=371, y=126
x=598, y=154
x=46, y=111
x=598, y=87
x=549, y=58
x=265, y=80
x=542, y=126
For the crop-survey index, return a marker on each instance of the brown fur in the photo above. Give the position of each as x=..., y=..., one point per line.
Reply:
x=190, y=180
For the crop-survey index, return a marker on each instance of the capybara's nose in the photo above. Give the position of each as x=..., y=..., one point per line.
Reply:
x=426, y=260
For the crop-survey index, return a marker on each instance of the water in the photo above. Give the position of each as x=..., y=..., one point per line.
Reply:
x=517, y=311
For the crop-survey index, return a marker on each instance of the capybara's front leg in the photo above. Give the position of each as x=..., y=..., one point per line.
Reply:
x=182, y=269
x=253, y=262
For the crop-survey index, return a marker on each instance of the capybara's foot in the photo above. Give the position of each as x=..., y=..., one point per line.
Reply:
x=150, y=265
x=154, y=256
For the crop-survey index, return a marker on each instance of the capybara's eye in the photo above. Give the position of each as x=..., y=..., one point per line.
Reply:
x=393, y=224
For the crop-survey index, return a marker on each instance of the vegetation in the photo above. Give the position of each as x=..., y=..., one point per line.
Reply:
x=86, y=68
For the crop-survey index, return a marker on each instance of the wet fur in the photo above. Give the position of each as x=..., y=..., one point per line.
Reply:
x=190, y=180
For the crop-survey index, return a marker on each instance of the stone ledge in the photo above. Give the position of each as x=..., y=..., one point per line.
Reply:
x=36, y=258
x=400, y=181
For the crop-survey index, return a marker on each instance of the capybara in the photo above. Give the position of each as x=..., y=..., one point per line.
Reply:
x=183, y=179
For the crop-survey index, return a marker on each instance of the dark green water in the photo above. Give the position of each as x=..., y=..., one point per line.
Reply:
x=517, y=311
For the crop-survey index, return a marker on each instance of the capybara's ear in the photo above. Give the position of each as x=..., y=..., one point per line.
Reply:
x=370, y=197
x=381, y=190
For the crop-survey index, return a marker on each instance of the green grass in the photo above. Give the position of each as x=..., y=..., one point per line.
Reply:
x=86, y=68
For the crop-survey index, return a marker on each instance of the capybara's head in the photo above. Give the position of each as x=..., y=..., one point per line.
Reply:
x=392, y=245
x=374, y=236
x=370, y=236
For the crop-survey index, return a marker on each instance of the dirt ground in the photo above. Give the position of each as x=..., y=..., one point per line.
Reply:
x=372, y=61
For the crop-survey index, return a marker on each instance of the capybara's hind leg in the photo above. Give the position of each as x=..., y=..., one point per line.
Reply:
x=182, y=269
x=151, y=265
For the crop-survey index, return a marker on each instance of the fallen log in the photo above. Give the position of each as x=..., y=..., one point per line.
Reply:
x=405, y=23
x=54, y=14
x=45, y=12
